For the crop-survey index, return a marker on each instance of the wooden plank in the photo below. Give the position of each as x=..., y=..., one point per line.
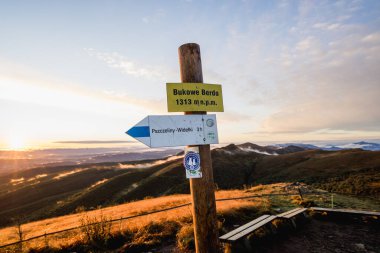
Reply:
x=289, y=212
x=252, y=228
x=349, y=211
x=290, y=215
x=245, y=226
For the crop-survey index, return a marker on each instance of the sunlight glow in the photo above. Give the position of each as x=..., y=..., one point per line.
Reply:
x=16, y=143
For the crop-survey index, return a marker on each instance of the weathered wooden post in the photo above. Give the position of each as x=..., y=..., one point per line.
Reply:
x=191, y=96
x=202, y=189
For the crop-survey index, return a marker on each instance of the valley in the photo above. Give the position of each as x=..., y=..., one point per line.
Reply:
x=52, y=191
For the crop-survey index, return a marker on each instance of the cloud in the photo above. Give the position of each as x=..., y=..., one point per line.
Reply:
x=115, y=60
x=155, y=17
x=154, y=105
x=148, y=165
x=129, y=67
x=99, y=183
x=334, y=88
x=316, y=75
x=306, y=44
x=22, y=84
x=372, y=38
x=93, y=142
x=347, y=114
x=231, y=116
x=327, y=26
x=69, y=173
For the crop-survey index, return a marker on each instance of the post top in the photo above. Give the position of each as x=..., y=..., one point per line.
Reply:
x=191, y=44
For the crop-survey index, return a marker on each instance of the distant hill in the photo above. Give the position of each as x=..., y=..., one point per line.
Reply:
x=362, y=145
x=347, y=171
x=50, y=191
x=265, y=150
x=371, y=146
x=353, y=171
x=14, y=161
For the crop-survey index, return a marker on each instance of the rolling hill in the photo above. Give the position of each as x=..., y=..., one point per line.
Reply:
x=16, y=161
x=53, y=191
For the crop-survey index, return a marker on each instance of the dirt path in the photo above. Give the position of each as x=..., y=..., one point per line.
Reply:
x=327, y=236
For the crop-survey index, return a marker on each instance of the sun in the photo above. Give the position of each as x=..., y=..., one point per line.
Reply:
x=16, y=144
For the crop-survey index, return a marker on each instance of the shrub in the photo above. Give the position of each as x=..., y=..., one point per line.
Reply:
x=151, y=235
x=96, y=231
x=185, y=238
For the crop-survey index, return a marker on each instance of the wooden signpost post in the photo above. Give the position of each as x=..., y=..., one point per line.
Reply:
x=202, y=189
x=195, y=128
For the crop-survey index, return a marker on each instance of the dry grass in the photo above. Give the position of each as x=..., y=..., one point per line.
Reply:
x=185, y=237
x=181, y=216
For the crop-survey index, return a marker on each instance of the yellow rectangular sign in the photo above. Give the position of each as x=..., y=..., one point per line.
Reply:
x=198, y=97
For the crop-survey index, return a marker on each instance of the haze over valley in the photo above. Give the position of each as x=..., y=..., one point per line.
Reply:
x=104, y=180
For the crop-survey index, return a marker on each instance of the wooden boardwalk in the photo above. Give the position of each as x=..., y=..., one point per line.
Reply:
x=246, y=229
x=345, y=211
x=262, y=221
x=238, y=237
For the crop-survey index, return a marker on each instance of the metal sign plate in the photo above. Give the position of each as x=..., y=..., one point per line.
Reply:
x=176, y=130
x=187, y=97
x=192, y=162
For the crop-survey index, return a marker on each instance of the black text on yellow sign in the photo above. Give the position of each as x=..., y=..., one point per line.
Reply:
x=187, y=97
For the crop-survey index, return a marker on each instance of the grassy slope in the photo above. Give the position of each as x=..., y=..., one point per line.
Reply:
x=329, y=170
x=54, y=197
x=147, y=232
x=47, y=193
x=231, y=171
x=232, y=209
x=351, y=171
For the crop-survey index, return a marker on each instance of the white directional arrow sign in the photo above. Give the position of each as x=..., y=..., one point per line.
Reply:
x=176, y=130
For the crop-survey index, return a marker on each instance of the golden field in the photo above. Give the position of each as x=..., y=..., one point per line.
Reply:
x=181, y=215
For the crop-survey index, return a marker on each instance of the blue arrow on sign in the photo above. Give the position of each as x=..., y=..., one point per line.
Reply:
x=139, y=131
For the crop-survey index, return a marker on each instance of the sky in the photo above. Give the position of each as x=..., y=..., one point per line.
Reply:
x=80, y=73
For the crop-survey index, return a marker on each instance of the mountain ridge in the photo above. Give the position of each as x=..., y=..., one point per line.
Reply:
x=364, y=145
x=51, y=191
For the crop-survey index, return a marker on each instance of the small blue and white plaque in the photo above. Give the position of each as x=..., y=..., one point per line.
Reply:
x=192, y=162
